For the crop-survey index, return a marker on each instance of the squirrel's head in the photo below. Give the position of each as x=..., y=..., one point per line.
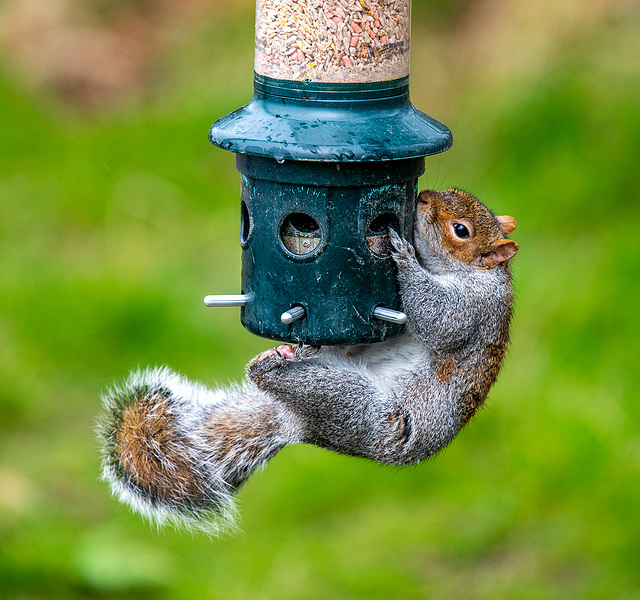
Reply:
x=455, y=226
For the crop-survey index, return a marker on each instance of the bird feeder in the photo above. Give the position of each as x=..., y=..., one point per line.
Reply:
x=329, y=150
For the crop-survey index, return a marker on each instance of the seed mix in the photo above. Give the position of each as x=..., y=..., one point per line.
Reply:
x=333, y=41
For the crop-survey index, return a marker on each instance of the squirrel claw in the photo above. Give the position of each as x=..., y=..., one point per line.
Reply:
x=298, y=352
x=265, y=361
x=274, y=358
x=404, y=251
x=285, y=350
x=303, y=351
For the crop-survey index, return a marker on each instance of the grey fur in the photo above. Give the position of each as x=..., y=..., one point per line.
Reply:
x=386, y=401
x=195, y=474
x=396, y=402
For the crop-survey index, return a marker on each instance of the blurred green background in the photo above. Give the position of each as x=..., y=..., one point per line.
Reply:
x=118, y=217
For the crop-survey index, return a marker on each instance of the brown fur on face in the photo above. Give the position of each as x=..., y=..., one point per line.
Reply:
x=486, y=245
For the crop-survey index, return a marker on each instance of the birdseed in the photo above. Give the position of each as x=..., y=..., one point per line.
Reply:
x=333, y=41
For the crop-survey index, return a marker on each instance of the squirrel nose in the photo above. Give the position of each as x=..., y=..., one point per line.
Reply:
x=425, y=204
x=425, y=196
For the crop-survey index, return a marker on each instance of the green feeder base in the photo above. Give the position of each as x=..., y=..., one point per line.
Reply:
x=326, y=170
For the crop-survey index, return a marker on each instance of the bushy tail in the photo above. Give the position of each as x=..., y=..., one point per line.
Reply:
x=177, y=452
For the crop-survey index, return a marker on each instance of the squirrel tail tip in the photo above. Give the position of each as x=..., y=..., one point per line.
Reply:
x=153, y=457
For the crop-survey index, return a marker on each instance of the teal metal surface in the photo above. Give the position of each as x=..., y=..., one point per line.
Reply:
x=325, y=170
x=315, y=235
x=290, y=120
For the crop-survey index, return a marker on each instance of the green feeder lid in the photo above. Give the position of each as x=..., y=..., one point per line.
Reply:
x=291, y=120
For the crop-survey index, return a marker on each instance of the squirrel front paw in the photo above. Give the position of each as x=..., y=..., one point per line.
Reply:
x=403, y=252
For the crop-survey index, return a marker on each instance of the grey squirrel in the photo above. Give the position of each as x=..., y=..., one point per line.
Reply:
x=178, y=452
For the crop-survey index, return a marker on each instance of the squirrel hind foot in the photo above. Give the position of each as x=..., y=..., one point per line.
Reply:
x=153, y=464
x=286, y=350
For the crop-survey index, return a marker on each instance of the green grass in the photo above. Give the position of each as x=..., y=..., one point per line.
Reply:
x=114, y=227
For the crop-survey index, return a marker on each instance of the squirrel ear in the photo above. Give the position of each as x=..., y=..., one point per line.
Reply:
x=507, y=223
x=501, y=251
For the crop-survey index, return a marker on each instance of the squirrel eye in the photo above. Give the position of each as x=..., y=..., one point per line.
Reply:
x=461, y=231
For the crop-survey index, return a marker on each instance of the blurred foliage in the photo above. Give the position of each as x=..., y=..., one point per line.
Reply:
x=119, y=217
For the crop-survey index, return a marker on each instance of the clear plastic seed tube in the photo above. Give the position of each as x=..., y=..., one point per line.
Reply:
x=333, y=41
